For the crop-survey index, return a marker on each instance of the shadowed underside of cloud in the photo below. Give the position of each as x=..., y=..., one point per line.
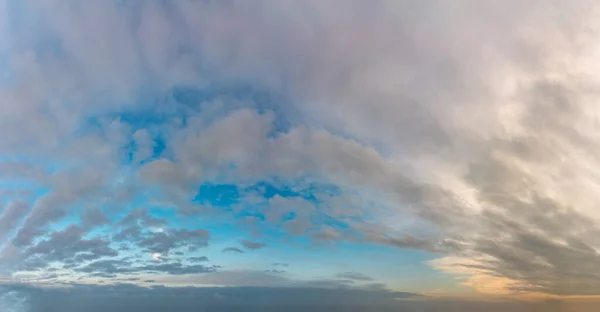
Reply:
x=465, y=129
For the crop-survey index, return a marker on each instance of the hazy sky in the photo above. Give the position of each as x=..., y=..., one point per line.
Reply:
x=403, y=153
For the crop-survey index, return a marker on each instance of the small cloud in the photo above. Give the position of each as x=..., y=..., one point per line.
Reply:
x=252, y=245
x=285, y=265
x=276, y=271
x=232, y=249
x=198, y=259
x=354, y=276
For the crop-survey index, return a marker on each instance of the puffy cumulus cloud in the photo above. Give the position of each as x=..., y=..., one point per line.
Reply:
x=466, y=129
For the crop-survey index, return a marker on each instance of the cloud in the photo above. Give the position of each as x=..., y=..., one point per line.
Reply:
x=354, y=276
x=141, y=217
x=10, y=217
x=252, y=245
x=64, y=246
x=198, y=259
x=111, y=268
x=163, y=242
x=176, y=268
x=463, y=129
x=276, y=271
x=94, y=218
x=232, y=249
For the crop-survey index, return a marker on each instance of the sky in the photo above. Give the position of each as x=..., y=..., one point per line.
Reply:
x=403, y=154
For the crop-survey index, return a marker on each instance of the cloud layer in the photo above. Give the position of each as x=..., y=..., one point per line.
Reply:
x=137, y=134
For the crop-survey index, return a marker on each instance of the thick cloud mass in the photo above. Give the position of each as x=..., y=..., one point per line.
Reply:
x=142, y=138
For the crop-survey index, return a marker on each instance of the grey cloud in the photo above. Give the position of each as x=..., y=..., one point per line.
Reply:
x=17, y=193
x=111, y=268
x=163, y=242
x=248, y=278
x=12, y=214
x=65, y=245
x=21, y=170
x=328, y=234
x=142, y=217
x=168, y=173
x=102, y=275
x=408, y=241
x=252, y=245
x=297, y=226
x=301, y=145
x=301, y=150
x=232, y=249
x=131, y=233
x=444, y=110
x=545, y=245
x=538, y=261
x=68, y=187
x=47, y=209
x=198, y=259
x=94, y=218
x=177, y=268
x=354, y=276
x=328, y=283
x=275, y=271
